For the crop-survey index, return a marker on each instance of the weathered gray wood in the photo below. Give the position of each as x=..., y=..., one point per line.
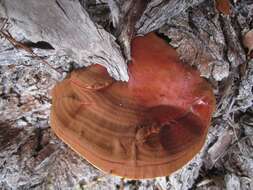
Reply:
x=66, y=25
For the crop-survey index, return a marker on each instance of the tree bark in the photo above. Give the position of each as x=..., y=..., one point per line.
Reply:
x=88, y=32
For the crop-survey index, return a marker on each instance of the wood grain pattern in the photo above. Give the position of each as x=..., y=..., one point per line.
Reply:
x=148, y=127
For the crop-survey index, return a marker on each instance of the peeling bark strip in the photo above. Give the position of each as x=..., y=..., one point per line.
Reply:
x=66, y=25
x=130, y=13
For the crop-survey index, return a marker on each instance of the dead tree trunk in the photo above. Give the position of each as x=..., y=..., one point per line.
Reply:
x=69, y=34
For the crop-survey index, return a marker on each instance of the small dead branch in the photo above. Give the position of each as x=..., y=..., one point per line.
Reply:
x=231, y=147
x=232, y=124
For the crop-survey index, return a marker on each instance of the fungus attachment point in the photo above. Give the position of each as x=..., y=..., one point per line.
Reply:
x=148, y=127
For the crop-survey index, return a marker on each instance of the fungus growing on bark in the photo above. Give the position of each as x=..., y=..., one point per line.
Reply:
x=148, y=127
x=223, y=6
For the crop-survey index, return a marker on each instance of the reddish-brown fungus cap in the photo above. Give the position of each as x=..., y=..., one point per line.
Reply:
x=148, y=127
x=223, y=6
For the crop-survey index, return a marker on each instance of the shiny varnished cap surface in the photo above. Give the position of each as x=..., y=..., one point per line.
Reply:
x=148, y=127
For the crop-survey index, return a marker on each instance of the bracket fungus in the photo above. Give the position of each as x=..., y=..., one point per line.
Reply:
x=148, y=127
